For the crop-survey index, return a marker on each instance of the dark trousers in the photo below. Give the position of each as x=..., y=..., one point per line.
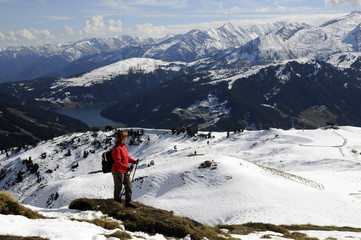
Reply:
x=121, y=179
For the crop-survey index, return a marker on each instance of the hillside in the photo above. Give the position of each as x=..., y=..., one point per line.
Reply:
x=104, y=218
x=251, y=176
x=209, y=94
x=21, y=124
x=302, y=94
x=279, y=177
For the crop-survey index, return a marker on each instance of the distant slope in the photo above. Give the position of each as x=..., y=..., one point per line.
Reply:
x=179, y=102
x=105, y=85
x=292, y=94
x=209, y=94
x=22, y=124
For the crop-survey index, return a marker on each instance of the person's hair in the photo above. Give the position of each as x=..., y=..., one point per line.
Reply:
x=121, y=134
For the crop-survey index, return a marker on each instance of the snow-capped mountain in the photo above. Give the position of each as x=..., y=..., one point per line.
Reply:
x=272, y=176
x=30, y=62
x=107, y=73
x=257, y=44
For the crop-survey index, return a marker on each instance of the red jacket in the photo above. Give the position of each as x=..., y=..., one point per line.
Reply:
x=121, y=158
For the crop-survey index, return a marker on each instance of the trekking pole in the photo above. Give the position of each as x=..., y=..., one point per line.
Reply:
x=136, y=165
x=123, y=190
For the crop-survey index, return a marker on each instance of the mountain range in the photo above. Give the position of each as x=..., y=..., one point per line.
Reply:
x=257, y=76
x=254, y=44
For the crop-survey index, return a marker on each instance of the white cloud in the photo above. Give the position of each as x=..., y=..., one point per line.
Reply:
x=28, y=34
x=233, y=10
x=263, y=10
x=354, y=3
x=148, y=30
x=69, y=30
x=26, y=37
x=114, y=26
x=126, y=4
x=279, y=7
x=59, y=18
x=97, y=26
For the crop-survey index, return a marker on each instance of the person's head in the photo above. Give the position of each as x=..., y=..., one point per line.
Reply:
x=121, y=136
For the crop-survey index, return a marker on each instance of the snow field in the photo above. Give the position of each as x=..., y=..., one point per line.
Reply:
x=271, y=176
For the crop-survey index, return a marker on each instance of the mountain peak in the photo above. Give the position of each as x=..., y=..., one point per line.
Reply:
x=349, y=18
x=229, y=27
x=355, y=13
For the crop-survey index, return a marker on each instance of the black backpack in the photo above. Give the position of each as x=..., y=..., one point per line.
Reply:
x=107, y=161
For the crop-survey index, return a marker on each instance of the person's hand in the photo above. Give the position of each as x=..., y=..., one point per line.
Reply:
x=137, y=162
x=130, y=170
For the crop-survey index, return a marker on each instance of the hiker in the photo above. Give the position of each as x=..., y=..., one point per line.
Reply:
x=120, y=169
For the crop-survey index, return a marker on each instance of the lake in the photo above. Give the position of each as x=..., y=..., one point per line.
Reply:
x=90, y=116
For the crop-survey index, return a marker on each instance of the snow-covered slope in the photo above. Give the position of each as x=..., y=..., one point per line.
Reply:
x=132, y=65
x=273, y=176
x=304, y=41
x=344, y=60
x=25, y=63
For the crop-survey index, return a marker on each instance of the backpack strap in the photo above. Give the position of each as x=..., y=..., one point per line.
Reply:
x=120, y=150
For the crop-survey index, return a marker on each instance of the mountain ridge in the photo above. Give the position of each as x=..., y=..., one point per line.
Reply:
x=301, y=40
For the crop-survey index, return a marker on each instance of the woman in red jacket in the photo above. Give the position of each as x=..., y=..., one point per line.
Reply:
x=120, y=169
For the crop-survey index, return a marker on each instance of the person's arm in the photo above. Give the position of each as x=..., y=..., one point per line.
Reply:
x=131, y=160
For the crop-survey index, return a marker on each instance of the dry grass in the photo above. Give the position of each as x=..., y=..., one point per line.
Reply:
x=121, y=235
x=150, y=220
x=321, y=228
x=102, y=222
x=9, y=205
x=248, y=228
x=288, y=231
x=298, y=236
x=3, y=237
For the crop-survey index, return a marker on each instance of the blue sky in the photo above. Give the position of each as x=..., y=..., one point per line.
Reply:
x=34, y=22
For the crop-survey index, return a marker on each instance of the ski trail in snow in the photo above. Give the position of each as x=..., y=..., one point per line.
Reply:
x=357, y=194
x=343, y=144
x=335, y=146
x=289, y=176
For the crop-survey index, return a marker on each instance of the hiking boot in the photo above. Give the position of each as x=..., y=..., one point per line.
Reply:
x=131, y=205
